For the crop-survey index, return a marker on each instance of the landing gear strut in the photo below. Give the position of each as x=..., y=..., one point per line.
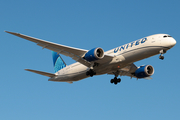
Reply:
x=115, y=80
x=91, y=73
x=161, y=54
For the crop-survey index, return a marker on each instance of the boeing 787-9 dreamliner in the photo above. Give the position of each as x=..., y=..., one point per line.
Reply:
x=118, y=61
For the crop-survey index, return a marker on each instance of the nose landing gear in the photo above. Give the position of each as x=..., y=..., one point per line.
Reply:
x=161, y=57
x=162, y=52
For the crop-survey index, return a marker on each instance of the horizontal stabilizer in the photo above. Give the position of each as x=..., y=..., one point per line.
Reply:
x=41, y=73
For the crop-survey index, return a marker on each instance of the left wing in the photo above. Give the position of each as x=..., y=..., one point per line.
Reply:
x=129, y=70
x=72, y=52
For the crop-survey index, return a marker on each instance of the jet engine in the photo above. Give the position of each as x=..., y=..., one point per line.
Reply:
x=94, y=54
x=144, y=71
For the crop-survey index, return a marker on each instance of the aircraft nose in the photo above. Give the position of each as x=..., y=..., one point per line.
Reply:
x=172, y=42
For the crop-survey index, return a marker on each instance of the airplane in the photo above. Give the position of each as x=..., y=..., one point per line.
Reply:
x=117, y=61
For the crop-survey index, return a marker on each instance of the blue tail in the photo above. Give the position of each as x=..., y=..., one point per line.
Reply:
x=58, y=62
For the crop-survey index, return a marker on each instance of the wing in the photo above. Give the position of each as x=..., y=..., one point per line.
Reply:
x=129, y=70
x=72, y=52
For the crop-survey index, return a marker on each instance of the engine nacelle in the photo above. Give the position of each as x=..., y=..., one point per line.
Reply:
x=144, y=71
x=94, y=54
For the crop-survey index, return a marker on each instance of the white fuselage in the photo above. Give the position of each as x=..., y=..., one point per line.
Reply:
x=123, y=56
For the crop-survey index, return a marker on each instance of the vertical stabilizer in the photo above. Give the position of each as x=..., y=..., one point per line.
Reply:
x=58, y=62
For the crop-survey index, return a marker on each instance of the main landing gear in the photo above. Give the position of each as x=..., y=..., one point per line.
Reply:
x=161, y=54
x=91, y=73
x=115, y=80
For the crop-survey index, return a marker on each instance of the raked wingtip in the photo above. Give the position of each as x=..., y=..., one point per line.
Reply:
x=8, y=32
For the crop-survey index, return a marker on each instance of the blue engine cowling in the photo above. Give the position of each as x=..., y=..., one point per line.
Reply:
x=94, y=54
x=144, y=71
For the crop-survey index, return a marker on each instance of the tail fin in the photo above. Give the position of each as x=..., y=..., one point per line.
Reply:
x=58, y=62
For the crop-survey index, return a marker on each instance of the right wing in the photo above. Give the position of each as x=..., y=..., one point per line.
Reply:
x=74, y=53
x=52, y=46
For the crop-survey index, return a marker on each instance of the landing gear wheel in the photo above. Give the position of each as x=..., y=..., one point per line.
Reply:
x=119, y=80
x=161, y=57
x=91, y=73
x=115, y=80
x=162, y=52
x=87, y=73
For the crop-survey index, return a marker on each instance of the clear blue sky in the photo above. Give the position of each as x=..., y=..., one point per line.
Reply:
x=86, y=24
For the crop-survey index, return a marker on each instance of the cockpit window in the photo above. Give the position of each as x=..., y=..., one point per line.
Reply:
x=167, y=36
